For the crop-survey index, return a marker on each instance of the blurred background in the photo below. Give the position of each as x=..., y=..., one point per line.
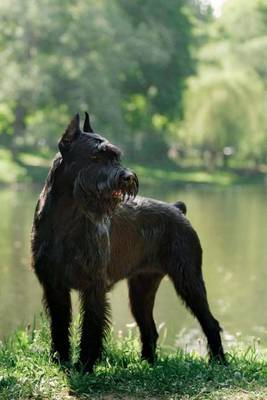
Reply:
x=181, y=86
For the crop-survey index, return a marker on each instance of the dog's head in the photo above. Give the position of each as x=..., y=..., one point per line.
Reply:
x=92, y=164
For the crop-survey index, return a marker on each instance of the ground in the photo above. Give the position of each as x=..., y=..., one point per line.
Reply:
x=26, y=372
x=34, y=167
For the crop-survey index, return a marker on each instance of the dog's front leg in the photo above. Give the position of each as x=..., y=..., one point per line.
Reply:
x=95, y=313
x=58, y=305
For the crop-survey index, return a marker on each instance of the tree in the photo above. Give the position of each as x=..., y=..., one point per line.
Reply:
x=126, y=62
x=224, y=109
x=225, y=104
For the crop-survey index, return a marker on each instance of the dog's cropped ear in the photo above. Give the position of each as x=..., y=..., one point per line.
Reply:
x=71, y=133
x=87, y=126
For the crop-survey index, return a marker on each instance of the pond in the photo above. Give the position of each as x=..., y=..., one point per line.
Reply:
x=232, y=225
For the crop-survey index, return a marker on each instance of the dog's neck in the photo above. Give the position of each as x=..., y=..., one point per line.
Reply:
x=60, y=185
x=69, y=223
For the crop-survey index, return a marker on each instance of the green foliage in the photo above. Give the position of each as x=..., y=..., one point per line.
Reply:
x=158, y=76
x=166, y=62
x=241, y=22
x=225, y=104
x=58, y=58
x=26, y=372
x=221, y=102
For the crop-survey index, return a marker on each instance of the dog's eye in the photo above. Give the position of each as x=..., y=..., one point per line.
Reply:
x=95, y=157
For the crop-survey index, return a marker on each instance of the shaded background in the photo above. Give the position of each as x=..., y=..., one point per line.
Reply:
x=181, y=86
x=167, y=80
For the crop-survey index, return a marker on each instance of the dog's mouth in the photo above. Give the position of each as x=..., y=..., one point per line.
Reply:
x=118, y=195
x=113, y=199
x=122, y=196
x=126, y=191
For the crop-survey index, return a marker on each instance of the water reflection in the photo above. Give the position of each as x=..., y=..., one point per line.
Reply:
x=232, y=224
x=19, y=291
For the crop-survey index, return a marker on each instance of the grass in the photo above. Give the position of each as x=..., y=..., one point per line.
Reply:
x=26, y=168
x=26, y=372
x=10, y=171
x=34, y=168
x=221, y=177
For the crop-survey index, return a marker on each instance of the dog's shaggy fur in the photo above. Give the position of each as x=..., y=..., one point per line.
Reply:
x=90, y=231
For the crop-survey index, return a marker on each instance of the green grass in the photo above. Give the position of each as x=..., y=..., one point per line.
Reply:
x=10, y=171
x=34, y=168
x=26, y=168
x=26, y=372
x=177, y=176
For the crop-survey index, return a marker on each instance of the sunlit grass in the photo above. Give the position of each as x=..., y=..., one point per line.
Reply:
x=26, y=372
x=10, y=171
x=179, y=176
x=34, y=160
x=34, y=168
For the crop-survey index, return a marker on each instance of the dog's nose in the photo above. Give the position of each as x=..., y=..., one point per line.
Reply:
x=127, y=177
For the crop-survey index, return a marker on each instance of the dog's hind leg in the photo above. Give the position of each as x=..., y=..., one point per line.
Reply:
x=95, y=318
x=142, y=292
x=58, y=305
x=190, y=286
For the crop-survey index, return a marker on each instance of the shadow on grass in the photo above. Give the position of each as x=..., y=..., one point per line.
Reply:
x=27, y=372
x=179, y=375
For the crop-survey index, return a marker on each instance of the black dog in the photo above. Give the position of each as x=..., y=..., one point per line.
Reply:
x=90, y=231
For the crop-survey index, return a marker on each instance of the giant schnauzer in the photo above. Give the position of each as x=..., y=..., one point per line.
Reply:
x=90, y=231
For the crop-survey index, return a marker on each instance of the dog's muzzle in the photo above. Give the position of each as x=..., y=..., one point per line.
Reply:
x=127, y=186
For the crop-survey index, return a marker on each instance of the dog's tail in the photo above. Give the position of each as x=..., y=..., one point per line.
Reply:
x=181, y=206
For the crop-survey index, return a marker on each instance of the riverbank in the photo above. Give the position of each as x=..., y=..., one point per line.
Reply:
x=26, y=372
x=29, y=168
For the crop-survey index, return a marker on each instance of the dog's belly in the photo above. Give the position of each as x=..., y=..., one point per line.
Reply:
x=133, y=246
x=126, y=257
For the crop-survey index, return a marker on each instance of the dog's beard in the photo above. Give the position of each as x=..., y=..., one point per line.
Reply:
x=100, y=197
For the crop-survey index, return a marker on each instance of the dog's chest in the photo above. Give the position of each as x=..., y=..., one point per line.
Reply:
x=75, y=252
x=86, y=253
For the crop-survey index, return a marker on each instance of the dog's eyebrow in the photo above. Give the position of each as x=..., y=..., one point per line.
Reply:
x=96, y=136
x=109, y=148
x=92, y=136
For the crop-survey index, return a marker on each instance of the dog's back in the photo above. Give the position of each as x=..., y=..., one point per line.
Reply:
x=144, y=234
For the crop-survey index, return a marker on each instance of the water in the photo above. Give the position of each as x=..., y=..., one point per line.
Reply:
x=232, y=225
